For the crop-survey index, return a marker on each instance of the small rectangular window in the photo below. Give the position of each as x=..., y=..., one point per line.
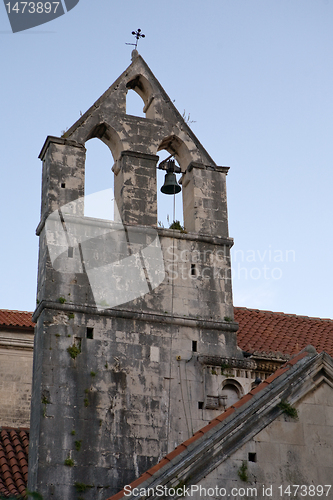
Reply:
x=70, y=252
x=63, y=185
x=194, y=346
x=90, y=333
x=200, y=405
x=193, y=272
x=252, y=457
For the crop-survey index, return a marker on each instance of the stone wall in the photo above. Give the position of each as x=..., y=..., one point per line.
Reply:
x=127, y=380
x=285, y=453
x=16, y=353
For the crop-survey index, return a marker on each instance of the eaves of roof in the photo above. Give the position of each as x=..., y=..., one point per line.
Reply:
x=20, y=319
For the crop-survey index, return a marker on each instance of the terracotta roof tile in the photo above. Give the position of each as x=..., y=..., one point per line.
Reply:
x=242, y=401
x=160, y=464
x=177, y=451
x=118, y=495
x=16, y=318
x=210, y=426
x=267, y=331
x=297, y=358
x=13, y=461
x=225, y=414
x=140, y=479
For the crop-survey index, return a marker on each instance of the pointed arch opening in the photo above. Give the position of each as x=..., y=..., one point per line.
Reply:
x=134, y=104
x=99, y=181
x=142, y=88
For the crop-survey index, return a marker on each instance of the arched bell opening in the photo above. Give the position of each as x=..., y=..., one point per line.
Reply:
x=169, y=206
x=109, y=136
x=99, y=181
x=178, y=149
x=174, y=148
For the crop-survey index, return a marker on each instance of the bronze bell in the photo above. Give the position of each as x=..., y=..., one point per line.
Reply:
x=170, y=185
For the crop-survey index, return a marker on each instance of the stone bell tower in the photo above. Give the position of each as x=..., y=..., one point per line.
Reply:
x=130, y=317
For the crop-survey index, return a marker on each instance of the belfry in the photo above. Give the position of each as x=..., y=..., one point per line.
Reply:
x=134, y=321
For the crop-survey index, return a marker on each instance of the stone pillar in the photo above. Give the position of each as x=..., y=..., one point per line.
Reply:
x=135, y=188
x=63, y=175
x=205, y=200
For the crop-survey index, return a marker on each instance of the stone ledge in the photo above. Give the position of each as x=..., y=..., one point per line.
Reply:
x=58, y=140
x=246, y=364
x=201, y=166
x=224, y=326
x=16, y=343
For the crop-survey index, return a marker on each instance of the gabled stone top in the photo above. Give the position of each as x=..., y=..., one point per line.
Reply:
x=163, y=127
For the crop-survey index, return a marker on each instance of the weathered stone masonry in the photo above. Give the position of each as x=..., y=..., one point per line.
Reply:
x=115, y=389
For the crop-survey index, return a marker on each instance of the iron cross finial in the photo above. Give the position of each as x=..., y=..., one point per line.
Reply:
x=137, y=35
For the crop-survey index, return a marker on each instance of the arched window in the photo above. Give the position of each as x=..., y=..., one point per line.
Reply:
x=99, y=182
x=231, y=392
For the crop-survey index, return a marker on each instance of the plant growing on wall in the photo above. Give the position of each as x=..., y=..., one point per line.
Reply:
x=78, y=445
x=45, y=401
x=34, y=495
x=177, y=226
x=69, y=462
x=242, y=472
x=81, y=487
x=288, y=409
x=73, y=351
x=86, y=400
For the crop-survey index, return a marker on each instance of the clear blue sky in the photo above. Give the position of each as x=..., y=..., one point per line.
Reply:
x=256, y=76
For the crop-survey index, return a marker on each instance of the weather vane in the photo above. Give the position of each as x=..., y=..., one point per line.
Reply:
x=137, y=35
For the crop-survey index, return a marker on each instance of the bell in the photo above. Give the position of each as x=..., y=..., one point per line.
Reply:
x=170, y=185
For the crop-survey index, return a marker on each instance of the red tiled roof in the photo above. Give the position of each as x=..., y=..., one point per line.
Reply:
x=213, y=423
x=14, y=446
x=267, y=331
x=16, y=318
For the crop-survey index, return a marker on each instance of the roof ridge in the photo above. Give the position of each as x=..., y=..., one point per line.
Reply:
x=265, y=311
x=16, y=311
